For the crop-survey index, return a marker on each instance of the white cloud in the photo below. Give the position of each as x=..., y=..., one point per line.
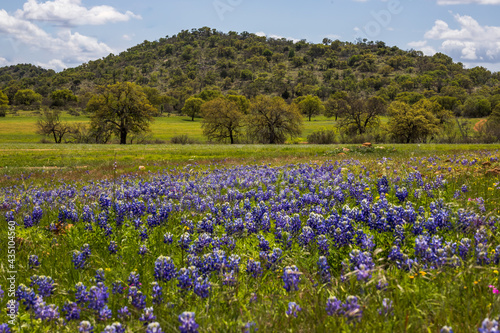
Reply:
x=71, y=13
x=422, y=46
x=55, y=64
x=471, y=41
x=71, y=47
x=3, y=62
x=128, y=37
x=263, y=34
x=466, y=2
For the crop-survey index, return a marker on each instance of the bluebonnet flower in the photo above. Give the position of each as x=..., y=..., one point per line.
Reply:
x=72, y=311
x=496, y=259
x=81, y=294
x=188, y=324
x=99, y=275
x=489, y=326
x=134, y=280
x=386, y=308
x=137, y=297
x=383, y=185
x=105, y=313
x=323, y=246
x=464, y=188
x=117, y=287
x=185, y=241
x=293, y=309
x=254, y=268
x=45, y=285
x=124, y=313
x=28, y=222
x=98, y=296
x=164, y=269
x=85, y=327
x=250, y=327
x=202, y=287
x=263, y=243
x=26, y=295
x=147, y=316
x=352, y=310
x=229, y=278
x=4, y=328
x=2, y=293
x=334, y=306
x=144, y=234
x=446, y=329
x=402, y=194
x=324, y=270
x=36, y=215
x=291, y=278
x=186, y=277
x=85, y=249
x=114, y=328
x=154, y=328
x=33, y=261
x=143, y=250
x=168, y=238
x=79, y=259
x=157, y=294
x=113, y=247
x=44, y=311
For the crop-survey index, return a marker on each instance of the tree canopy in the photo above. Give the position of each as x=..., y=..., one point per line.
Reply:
x=222, y=120
x=192, y=107
x=124, y=107
x=272, y=120
x=412, y=123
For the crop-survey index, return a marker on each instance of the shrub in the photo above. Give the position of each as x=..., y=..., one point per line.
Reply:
x=182, y=139
x=322, y=137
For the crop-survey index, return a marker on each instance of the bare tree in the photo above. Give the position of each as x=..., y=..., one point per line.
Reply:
x=49, y=123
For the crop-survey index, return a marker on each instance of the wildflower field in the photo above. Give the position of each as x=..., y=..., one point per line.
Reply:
x=375, y=241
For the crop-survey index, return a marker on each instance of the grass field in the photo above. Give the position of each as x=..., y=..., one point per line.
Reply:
x=21, y=128
x=221, y=238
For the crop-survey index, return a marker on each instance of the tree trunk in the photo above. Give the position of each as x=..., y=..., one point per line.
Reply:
x=231, y=137
x=123, y=137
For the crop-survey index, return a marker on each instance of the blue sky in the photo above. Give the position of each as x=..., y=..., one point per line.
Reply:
x=65, y=33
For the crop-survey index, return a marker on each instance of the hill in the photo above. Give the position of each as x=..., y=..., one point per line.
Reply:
x=182, y=65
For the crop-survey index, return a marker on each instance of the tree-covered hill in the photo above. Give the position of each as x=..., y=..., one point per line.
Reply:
x=180, y=66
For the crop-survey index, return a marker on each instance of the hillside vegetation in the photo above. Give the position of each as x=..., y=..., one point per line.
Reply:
x=206, y=64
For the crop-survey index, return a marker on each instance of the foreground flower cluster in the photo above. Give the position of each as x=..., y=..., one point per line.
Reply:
x=254, y=246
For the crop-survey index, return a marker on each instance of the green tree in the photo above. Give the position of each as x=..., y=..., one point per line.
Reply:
x=359, y=114
x=335, y=104
x=124, y=106
x=242, y=102
x=4, y=104
x=4, y=100
x=311, y=106
x=209, y=94
x=411, y=123
x=272, y=120
x=476, y=107
x=62, y=97
x=192, y=107
x=222, y=120
x=27, y=97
